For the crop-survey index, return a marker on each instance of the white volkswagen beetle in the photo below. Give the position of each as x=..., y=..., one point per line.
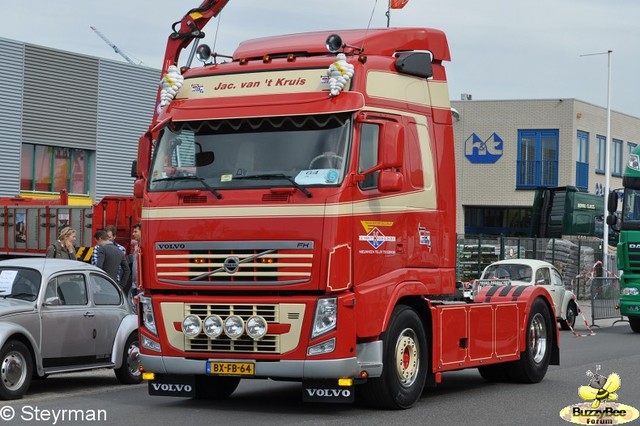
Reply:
x=535, y=272
x=59, y=316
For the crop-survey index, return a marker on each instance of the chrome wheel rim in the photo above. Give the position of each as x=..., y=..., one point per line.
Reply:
x=133, y=360
x=407, y=357
x=537, y=338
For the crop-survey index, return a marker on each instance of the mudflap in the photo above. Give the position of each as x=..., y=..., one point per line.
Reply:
x=173, y=385
x=327, y=391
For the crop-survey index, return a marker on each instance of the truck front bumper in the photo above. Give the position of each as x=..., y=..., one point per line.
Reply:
x=320, y=369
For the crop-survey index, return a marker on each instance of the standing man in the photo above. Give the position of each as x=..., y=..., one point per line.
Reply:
x=136, y=235
x=111, y=233
x=111, y=259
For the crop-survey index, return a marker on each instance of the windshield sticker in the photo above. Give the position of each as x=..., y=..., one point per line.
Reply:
x=6, y=280
x=226, y=178
x=317, y=177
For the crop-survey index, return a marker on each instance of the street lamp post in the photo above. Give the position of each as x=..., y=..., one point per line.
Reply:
x=607, y=164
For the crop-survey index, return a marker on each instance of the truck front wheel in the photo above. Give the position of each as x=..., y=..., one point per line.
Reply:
x=634, y=322
x=405, y=358
x=215, y=387
x=534, y=360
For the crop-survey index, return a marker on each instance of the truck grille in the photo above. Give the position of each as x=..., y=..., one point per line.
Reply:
x=267, y=263
x=269, y=344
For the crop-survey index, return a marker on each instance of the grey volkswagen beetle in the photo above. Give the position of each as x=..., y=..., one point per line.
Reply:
x=60, y=316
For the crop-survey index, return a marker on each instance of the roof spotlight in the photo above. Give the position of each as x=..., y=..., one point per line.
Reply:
x=203, y=53
x=334, y=43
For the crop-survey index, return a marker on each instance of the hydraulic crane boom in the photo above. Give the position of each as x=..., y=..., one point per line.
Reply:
x=113, y=46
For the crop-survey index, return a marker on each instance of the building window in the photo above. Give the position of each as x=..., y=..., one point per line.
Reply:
x=537, y=158
x=602, y=154
x=582, y=160
x=616, y=160
x=507, y=221
x=51, y=169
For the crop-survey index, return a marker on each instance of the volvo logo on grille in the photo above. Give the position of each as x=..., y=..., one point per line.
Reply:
x=231, y=265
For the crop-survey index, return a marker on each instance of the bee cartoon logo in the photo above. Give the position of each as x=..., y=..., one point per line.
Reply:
x=600, y=406
x=600, y=388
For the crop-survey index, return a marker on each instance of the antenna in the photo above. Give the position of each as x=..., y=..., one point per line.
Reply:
x=113, y=46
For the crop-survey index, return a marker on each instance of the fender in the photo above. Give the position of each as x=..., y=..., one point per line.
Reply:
x=524, y=295
x=128, y=325
x=380, y=300
x=9, y=329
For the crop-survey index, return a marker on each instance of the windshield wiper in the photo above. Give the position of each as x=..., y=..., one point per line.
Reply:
x=201, y=180
x=267, y=176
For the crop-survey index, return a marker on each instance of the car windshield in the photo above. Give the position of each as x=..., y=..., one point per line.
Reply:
x=249, y=153
x=19, y=283
x=631, y=209
x=513, y=272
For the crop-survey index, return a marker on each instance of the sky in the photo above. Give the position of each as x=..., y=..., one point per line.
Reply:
x=500, y=49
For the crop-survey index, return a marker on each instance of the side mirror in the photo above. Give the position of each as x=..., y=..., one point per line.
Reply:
x=134, y=168
x=612, y=203
x=144, y=156
x=391, y=147
x=52, y=301
x=389, y=181
x=138, y=188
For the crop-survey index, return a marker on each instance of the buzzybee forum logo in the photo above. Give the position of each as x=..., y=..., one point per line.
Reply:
x=600, y=406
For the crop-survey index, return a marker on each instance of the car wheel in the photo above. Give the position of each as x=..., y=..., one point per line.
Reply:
x=534, y=360
x=16, y=369
x=634, y=322
x=215, y=387
x=405, y=357
x=129, y=372
x=570, y=321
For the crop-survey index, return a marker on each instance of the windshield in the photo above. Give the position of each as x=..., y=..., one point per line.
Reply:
x=631, y=209
x=19, y=283
x=514, y=272
x=250, y=153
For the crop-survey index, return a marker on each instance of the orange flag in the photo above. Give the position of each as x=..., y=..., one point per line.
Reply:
x=398, y=4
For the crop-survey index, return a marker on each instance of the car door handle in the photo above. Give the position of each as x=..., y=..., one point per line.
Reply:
x=89, y=314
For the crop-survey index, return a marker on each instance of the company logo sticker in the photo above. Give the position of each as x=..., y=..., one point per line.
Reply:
x=375, y=237
x=425, y=236
x=478, y=151
x=600, y=408
x=197, y=88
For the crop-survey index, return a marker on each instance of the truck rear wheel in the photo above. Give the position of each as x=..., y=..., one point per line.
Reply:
x=405, y=358
x=215, y=387
x=534, y=360
x=634, y=322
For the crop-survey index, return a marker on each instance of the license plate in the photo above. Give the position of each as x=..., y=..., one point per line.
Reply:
x=218, y=368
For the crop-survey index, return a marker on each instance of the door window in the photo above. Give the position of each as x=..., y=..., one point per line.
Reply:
x=70, y=289
x=104, y=291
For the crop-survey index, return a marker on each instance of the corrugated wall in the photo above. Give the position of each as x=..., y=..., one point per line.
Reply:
x=12, y=58
x=60, y=92
x=126, y=97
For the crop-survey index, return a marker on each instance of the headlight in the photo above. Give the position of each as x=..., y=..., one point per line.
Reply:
x=326, y=316
x=634, y=162
x=148, y=319
x=256, y=327
x=233, y=327
x=213, y=326
x=630, y=291
x=191, y=326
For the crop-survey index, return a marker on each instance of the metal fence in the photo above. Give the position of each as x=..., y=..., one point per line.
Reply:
x=572, y=257
x=605, y=293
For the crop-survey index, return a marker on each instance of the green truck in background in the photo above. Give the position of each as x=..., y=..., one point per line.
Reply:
x=628, y=254
x=566, y=211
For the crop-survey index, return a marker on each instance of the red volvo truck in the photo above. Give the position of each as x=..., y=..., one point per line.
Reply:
x=298, y=210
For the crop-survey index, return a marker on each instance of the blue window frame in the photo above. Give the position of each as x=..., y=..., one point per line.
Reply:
x=602, y=154
x=537, y=163
x=616, y=163
x=582, y=160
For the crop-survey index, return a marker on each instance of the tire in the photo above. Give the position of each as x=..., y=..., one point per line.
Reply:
x=572, y=314
x=129, y=372
x=215, y=387
x=634, y=322
x=534, y=360
x=405, y=364
x=494, y=373
x=16, y=369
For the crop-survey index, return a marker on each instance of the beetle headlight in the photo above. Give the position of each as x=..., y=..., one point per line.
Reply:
x=326, y=316
x=233, y=327
x=213, y=326
x=256, y=327
x=148, y=318
x=191, y=326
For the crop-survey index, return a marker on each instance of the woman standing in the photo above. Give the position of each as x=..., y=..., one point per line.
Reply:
x=64, y=248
